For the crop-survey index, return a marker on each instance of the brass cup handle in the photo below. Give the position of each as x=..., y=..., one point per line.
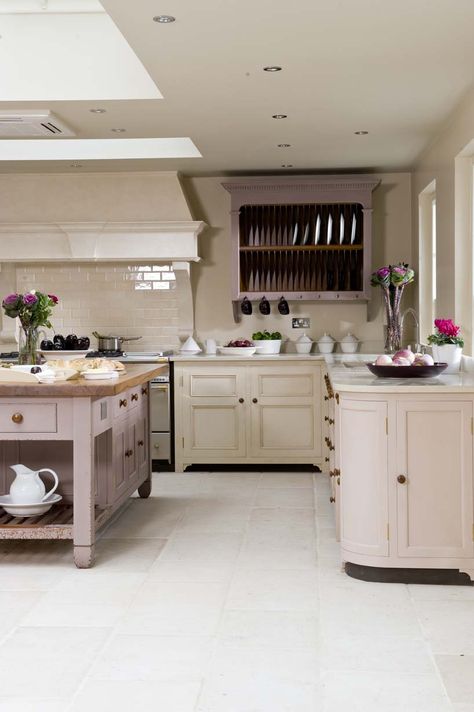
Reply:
x=241, y=400
x=401, y=479
x=17, y=418
x=134, y=396
x=123, y=403
x=254, y=400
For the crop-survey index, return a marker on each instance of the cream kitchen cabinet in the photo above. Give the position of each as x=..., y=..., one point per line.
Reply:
x=406, y=474
x=248, y=411
x=434, y=498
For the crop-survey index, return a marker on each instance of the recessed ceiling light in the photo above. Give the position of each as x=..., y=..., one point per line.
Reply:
x=118, y=130
x=361, y=133
x=273, y=68
x=284, y=145
x=279, y=116
x=97, y=111
x=164, y=19
x=287, y=165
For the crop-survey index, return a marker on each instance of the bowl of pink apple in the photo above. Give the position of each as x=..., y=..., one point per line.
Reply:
x=406, y=364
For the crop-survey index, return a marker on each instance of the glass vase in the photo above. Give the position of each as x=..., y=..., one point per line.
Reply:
x=393, y=334
x=28, y=345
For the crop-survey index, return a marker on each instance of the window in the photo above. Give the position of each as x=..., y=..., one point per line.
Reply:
x=427, y=284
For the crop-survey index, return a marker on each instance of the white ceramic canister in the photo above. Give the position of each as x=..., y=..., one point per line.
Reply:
x=326, y=344
x=349, y=343
x=303, y=345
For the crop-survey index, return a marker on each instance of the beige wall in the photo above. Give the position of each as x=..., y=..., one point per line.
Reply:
x=211, y=278
x=448, y=161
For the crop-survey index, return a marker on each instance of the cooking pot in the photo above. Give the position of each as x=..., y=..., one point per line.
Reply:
x=112, y=343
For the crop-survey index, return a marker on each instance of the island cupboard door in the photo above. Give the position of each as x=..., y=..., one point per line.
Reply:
x=433, y=480
x=213, y=412
x=363, y=465
x=285, y=407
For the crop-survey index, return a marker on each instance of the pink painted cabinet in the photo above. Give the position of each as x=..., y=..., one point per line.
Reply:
x=434, y=479
x=406, y=473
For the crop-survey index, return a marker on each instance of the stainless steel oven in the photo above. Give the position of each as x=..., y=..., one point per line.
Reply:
x=160, y=435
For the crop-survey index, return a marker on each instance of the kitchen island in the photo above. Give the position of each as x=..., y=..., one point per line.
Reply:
x=94, y=434
x=402, y=472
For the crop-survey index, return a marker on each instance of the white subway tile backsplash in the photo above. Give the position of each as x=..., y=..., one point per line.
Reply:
x=107, y=298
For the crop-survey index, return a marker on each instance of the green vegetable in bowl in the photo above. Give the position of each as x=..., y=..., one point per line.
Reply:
x=266, y=336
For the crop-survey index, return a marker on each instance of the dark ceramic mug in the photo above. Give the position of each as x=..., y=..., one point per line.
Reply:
x=264, y=306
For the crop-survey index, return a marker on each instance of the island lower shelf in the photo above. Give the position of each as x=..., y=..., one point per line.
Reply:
x=94, y=435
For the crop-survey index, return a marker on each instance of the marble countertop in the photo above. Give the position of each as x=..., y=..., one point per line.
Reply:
x=349, y=373
x=248, y=359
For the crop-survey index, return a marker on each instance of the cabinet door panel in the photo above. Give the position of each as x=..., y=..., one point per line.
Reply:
x=215, y=428
x=285, y=427
x=286, y=411
x=434, y=505
x=214, y=384
x=363, y=455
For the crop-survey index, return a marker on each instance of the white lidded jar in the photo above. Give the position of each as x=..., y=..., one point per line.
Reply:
x=326, y=344
x=303, y=345
x=349, y=343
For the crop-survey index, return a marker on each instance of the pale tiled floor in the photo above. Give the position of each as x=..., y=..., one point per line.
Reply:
x=223, y=593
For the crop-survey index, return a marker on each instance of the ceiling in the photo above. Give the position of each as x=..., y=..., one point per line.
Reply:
x=394, y=69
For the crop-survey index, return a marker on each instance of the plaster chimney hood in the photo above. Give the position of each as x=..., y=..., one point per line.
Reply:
x=159, y=241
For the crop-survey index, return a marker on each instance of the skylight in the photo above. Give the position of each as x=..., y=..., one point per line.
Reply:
x=67, y=51
x=96, y=149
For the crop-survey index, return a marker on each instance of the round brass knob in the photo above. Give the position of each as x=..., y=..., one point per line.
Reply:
x=241, y=400
x=254, y=400
x=17, y=418
x=402, y=479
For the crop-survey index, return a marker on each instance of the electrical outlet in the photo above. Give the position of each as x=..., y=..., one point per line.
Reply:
x=300, y=323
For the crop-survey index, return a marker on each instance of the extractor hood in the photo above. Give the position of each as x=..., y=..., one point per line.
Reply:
x=157, y=241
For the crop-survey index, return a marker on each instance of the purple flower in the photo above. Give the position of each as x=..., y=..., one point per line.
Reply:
x=29, y=300
x=53, y=298
x=10, y=300
x=383, y=272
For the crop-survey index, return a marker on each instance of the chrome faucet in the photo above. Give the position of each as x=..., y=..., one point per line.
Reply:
x=411, y=311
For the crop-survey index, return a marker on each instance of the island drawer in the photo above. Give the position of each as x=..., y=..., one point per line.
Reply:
x=28, y=417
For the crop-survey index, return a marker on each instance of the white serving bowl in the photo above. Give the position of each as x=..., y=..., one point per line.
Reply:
x=267, y=346
x=63, y=355
x=303, y=347
x=237, y=350
x=326, y=348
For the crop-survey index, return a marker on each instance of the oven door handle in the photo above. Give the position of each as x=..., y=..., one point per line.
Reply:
x=159, y=386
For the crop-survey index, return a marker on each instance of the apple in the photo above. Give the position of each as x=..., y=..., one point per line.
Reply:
x=383, y=360
x=406, y=354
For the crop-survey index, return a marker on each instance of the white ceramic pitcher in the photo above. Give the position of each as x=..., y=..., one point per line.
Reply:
x=28, y=487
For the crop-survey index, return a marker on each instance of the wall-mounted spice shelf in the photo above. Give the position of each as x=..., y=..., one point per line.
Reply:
x=307, y=238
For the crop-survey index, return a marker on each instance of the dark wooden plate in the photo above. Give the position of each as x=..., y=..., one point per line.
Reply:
x=407, y=371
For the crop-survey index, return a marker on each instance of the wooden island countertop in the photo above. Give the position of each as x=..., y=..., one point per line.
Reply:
x=81, y=387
